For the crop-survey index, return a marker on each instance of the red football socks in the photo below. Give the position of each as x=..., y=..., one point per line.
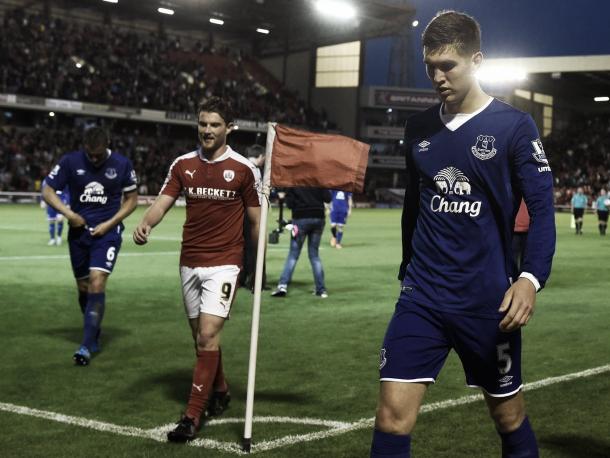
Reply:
x=203, y=383
x=220, y=383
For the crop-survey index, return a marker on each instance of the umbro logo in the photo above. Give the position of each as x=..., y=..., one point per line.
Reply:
x=189, y=173
x=80, y=172
x=423, y=146
x=198, y=387
x=506, y=381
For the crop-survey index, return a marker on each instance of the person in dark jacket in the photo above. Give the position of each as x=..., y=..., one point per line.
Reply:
x=308, y=217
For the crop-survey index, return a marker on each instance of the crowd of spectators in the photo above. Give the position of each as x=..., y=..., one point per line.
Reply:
x=28, y=154
x=580, y=156
x=50, y=57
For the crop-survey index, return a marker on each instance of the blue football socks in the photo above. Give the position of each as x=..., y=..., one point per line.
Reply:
x=339, y=235
x=94, y=313
x=82, y=301
x=387, y=445
x=520, y=443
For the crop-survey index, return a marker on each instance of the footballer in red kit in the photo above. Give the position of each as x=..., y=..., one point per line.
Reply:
x=221, y=188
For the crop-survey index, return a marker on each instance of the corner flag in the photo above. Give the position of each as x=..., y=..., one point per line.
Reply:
x=302, y=158
x=296, y=157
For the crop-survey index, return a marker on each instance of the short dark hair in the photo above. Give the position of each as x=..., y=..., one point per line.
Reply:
x=450, y=29
x=217, y=105
x=95, y=137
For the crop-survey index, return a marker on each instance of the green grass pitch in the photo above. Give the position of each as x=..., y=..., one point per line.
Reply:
x=318, y=358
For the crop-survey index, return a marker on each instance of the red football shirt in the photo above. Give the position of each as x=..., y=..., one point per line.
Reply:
x=216, y=194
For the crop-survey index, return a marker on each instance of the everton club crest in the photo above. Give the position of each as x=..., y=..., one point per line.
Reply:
x=484, y=149
x=111, y=174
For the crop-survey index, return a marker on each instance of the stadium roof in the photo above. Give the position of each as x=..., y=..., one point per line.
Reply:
x=576, y=89
x=293, y=24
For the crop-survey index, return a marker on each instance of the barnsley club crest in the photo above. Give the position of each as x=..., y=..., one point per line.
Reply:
x=484, y=149
x=228, y=175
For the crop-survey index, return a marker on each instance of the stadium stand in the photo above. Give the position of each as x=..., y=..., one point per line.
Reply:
x=51, y=57
x=580, y=156
x=26, y=153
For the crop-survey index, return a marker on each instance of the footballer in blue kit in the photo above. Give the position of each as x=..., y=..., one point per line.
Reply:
x=340, y=208
x=102, y=186
x=54, y=218
x=470, y=160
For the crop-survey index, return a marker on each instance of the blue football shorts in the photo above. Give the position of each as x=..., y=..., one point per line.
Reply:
x=338, y=217
x=418, y=341
x=52, y=214
x=93, y=253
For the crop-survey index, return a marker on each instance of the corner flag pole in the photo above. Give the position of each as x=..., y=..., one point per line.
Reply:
x=258, y=280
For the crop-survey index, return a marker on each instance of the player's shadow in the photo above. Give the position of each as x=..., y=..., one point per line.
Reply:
x=75, y=334
x=177, y=385
x=571, y=445
x=276, y=397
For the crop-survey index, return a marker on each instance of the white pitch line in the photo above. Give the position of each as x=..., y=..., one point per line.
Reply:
x=47, y=257
x=337, y=428
x=65, y=256
x=80, y=421
x=369, y=422
x=21, y=228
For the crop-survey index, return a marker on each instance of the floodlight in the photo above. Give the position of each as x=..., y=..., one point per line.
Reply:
x=51, y=113
x=336, y=9
x=263, y=31
x=601, y=99
x=165, y=11
x=501, y=74
x=111, y=1
x=213, y=20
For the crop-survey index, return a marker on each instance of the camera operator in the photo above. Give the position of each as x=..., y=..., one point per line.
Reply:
x=308, y=218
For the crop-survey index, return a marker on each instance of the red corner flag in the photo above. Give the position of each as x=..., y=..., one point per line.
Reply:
x=302, y=158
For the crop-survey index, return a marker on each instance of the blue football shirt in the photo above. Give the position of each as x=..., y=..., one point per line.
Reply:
x=95, y=191
x=340, y=201
x=464, y=187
